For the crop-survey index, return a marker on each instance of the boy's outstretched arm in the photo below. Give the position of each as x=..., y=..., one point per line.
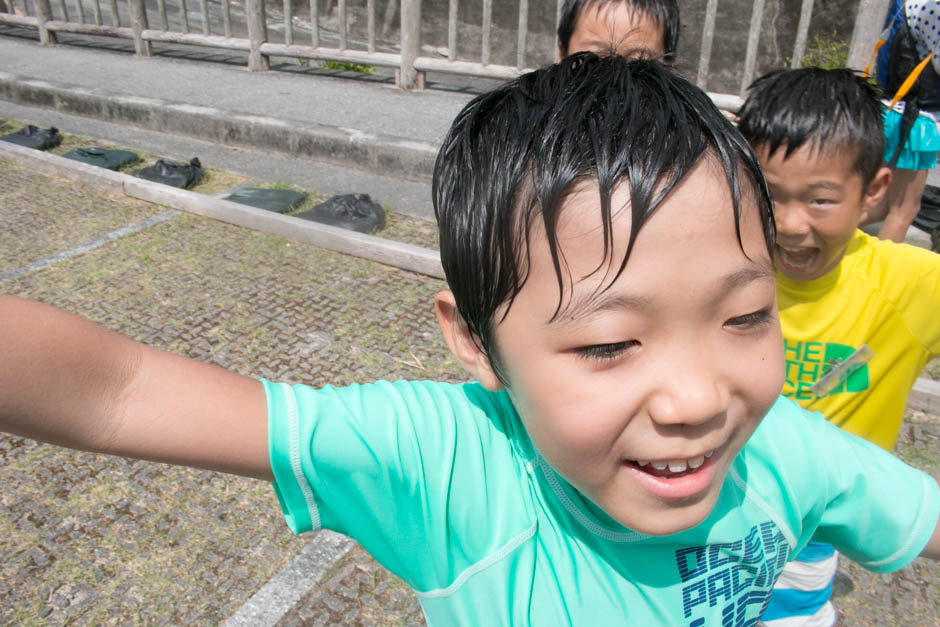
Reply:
x=71, y=382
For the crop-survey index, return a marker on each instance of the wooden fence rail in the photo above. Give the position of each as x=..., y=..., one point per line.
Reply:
x=232, y=25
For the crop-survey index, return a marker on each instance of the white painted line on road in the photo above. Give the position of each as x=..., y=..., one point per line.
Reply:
x=269, y=604
x=88, y=246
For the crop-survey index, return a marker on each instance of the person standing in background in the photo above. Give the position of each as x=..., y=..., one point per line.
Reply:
x=912, y=140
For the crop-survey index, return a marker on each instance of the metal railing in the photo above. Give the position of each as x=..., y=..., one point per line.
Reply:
x=322, y=31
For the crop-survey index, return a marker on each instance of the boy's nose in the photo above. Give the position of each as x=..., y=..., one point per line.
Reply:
x=690, y=394
x=790, y=219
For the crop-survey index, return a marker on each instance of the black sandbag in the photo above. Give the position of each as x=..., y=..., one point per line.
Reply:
x=278, y=200
x=173, y=173
x=356, y=212
x=34, y=137
x=928, y=218
x=101, y=157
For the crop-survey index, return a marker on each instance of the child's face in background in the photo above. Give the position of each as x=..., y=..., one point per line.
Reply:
x=616, y=29
x=642, y=394
x=819, y=201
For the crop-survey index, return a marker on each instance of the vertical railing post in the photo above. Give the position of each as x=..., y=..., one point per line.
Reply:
x=522, y=32
x=139, y=24
x=407, y=77
x=226, y=18
x=753, y=39
x=452, y=30
x=257, y=35
x=802, y=32
x=204, y=9
x=370, y=25
x=315, y=23
x=43, y=15
x=487, y=30
x=868, y=22
x=288, y=24
x=708, y=40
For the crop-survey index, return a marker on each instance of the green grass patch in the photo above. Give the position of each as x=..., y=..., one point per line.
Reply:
x=829, y=52
x=346, y=66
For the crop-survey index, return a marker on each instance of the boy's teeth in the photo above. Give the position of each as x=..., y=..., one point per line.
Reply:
x=798, y=256
x=676, y=465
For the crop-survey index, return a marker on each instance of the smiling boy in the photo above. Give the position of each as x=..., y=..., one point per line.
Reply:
x=647, y=29
x=859, y=315
x=623, y=455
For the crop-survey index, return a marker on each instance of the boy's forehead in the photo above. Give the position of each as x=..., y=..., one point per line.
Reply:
x=700, y=206
x=616, y=27
x=579, y=213
x=834, y=155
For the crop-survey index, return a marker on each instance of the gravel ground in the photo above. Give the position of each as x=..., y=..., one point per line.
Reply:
x=88, y=539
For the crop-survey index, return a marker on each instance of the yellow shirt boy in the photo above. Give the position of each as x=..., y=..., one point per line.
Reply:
x=883, y=295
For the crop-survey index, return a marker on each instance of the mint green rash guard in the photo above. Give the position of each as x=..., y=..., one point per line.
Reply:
x=441, y=484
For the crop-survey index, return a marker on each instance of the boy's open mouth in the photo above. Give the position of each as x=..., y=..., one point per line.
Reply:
x=796, y=259
x=673, y=468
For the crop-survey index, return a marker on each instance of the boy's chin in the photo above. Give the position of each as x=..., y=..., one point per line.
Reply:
x=666, y=520
x=674, y=522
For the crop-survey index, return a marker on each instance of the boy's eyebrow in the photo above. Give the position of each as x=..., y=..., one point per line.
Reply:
x=833, y=185
x=587, y=305
x=744, y=276
x=812, y=187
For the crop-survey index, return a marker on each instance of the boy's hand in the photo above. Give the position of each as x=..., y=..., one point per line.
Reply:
x=71, y=382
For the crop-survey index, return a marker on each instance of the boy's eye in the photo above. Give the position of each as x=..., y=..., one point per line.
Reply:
x=605, y=352
x=750, y=320
x=822, y=201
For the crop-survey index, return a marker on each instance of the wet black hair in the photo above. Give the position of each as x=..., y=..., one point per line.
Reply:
x=664, y=12
x=513, y=154
x=827, y=108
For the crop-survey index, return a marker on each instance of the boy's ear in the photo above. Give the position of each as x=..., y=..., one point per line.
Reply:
x=875, y=192
x=461, y=342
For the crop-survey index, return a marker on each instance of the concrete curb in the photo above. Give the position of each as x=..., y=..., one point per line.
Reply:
x=404, y=256
x=269, y=604
x=383, y=154
x=925, y=395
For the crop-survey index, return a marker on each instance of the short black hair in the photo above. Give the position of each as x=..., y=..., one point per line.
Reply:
x=513, y=154
x=664, y=12
x=837, y=108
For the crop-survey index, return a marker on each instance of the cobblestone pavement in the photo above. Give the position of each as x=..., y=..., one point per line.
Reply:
x=87, y=539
